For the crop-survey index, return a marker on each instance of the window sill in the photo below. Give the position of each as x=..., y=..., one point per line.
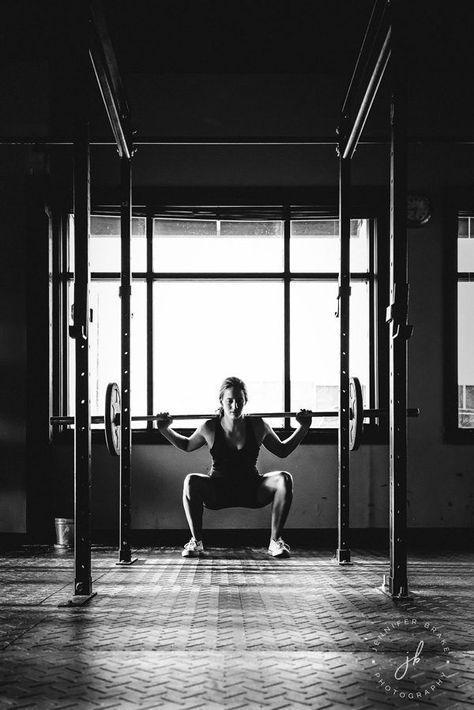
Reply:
x=459, y=436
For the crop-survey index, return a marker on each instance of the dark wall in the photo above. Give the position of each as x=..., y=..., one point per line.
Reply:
x=13, y=359
x=221, y=101
x=24, y=316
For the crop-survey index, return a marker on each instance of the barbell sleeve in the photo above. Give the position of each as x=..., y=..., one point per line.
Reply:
x=411, y=412
x=70, y=420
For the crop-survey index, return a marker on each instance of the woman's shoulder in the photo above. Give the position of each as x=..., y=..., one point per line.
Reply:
x=211, y=430
x=209, y=426
x=258, y=426
x=207, y=429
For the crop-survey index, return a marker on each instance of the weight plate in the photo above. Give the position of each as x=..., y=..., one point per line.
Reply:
x=356, y=413
x=112, y=409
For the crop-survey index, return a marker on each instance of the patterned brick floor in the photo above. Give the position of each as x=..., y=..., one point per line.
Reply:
x=236, y=629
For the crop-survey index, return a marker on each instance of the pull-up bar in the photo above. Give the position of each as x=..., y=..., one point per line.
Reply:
x=371, y=63
x=368, y=99
x=106, y=70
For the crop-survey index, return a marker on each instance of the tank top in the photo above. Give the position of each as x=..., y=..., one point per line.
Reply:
x=231, y=463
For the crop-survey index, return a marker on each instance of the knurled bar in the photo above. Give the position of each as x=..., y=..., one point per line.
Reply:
x=370, y=412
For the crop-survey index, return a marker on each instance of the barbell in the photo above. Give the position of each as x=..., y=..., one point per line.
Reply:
x=111, y=418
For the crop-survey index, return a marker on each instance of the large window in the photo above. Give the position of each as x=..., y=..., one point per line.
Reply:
x=465, y=321
x=224, y=294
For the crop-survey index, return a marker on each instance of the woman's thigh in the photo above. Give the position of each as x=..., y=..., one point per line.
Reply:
x=199, y=484
x=268, y=485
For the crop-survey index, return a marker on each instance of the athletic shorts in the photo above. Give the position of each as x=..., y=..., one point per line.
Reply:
x=234, y=494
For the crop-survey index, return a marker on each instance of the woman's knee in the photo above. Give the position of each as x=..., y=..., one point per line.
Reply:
x=191, y=484
x=285, y=480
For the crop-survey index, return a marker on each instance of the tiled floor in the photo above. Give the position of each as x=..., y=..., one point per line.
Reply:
x=236, y=629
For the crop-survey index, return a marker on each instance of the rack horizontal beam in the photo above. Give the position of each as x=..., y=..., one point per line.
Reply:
x=177, y=141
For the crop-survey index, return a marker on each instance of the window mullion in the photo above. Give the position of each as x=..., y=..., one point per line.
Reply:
x=372, y=318
x=286, y=311
x=65, y=263
x=60, y=316
x=149, y=302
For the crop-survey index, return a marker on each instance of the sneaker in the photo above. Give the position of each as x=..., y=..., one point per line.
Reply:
x=278, y=548
x=193, y=548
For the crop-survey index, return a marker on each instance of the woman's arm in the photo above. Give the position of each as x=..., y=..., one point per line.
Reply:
x=184, y=443
x=282, y=449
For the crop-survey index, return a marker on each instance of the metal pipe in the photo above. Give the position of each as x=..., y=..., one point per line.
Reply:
x=176, y=141
x=185, y=141
x=369, y=97
x=106, y=71
x=377, y=20
x=110, y=106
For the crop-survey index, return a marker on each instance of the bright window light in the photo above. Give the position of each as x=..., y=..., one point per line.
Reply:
x=105, y=347
x=315, y=245
x=104, y=244
x=219, y=246
x=205, y=332
x=465, y=325
x=315, y=346
x=206, y=328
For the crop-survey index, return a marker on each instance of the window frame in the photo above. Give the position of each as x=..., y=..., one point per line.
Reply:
x=367, y=207
x=459, y=202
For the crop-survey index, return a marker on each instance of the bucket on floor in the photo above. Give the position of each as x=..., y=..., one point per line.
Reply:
x=64, y=532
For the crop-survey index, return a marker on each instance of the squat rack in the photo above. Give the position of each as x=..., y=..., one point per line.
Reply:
x=382, y=45
x=106, y=70
x=94, y=44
